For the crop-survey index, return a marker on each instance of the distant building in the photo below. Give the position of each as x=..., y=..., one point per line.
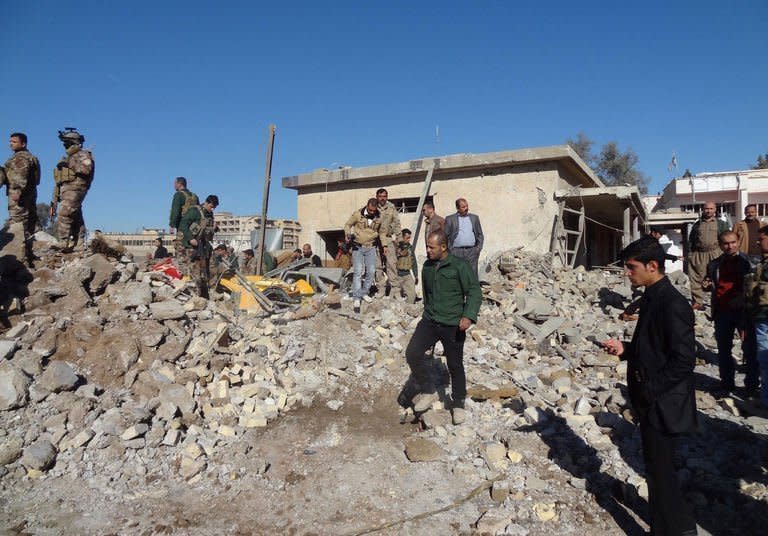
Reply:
x=683, y=199
x=233, y=230
x=545, y=199
x=731, y=191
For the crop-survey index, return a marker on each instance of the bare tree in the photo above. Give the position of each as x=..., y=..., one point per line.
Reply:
x=614, y=167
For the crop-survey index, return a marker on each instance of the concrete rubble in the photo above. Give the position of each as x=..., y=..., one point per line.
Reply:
x=119, y=378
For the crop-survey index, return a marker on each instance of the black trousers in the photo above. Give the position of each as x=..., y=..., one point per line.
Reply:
x=670, y=513
x=427, y=333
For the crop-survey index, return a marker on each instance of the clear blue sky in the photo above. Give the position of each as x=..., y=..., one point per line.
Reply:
x=164, y=88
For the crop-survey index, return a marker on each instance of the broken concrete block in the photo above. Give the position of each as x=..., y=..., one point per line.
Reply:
x=193, y=451
x=133, y=294
x=14, y=387
x=59, y=376
x=226, y=431
x=39, y=455
x=172, y=437
x=189, y=468
x=7, y=348
x=81, y=439
x=493, y=453
x=103, y=271
x=137, y=430
x=582, y=407
x=438, y=417
x=167, y=310
x=422, y=450
x=500, y=491
x=45, y=346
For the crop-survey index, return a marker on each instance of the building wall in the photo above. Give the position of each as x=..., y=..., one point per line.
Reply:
x=515, y=204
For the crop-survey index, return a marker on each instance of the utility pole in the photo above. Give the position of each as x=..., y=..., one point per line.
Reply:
x=265, y=201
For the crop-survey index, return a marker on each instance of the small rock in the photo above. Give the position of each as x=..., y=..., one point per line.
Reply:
x=438, y=417
x=422, y=450
x=10, y=450
x=500, y=491
x=172, y=438
x=7, y=348
x=137, y=430
x=59, y=376
x=39, y=455
x=334, y=405
x=14, y=387
x=545, y=511
x=582, y=407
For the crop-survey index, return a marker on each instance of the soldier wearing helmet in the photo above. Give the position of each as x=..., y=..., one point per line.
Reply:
x=73, y=176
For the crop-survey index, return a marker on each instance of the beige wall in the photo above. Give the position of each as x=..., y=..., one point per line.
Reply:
x=515, y=204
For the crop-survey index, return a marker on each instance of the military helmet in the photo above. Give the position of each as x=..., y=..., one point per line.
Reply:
x=70, y=135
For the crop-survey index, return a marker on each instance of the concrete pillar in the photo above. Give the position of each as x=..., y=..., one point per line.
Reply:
x=627, y=232
x=743, y=196
x=635, y=227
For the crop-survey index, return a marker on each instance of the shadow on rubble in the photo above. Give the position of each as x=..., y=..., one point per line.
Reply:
x=14, y=280
x=569, y=451
x=437, y=375
x=727, y=463
x=722, y=469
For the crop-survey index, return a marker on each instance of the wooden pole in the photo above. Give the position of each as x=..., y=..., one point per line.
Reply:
x=265, y=201
x=419, y=217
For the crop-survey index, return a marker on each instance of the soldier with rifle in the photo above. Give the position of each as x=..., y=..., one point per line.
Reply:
x=197, y=227
x=72, y=176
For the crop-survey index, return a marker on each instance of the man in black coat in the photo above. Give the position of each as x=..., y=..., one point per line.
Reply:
x=661, y=358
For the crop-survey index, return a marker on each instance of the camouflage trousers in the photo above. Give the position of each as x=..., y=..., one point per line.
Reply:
x=196, y=269
x=70, y=223
x=405, y=287
x=24, y=211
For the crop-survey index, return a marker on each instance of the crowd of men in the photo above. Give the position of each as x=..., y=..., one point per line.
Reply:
x=728, y=264
x=72, y=176
x=376, y=240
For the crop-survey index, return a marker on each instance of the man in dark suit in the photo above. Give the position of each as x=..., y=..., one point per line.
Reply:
x=465, y=235
x=661, y=358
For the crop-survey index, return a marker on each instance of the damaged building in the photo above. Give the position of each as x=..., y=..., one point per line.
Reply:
x=545, y=199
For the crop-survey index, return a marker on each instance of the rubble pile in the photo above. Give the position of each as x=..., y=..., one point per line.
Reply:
x=119, y=377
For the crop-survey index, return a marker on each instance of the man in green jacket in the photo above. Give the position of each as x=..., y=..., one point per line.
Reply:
x=182, y=201
x=452, y=300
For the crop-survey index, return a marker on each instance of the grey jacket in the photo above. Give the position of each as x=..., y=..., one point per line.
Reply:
x=452, y=230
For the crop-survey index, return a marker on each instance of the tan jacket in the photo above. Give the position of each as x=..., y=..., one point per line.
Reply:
x=364, y=234
x=742, y=233
x=390, y=222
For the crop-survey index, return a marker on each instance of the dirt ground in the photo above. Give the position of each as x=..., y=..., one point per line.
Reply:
x=327, y=473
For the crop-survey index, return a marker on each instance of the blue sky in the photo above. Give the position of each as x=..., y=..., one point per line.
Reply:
x=162, y=89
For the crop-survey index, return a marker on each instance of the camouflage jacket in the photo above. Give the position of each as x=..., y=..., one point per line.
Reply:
x=77, y=164
x=390, y=222
x=22, y=171
x=197, y=223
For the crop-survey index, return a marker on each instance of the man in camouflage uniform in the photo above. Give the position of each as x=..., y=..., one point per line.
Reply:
x=21, y=175
x=390, y=232
x=197, y=227
x=73, y=176
x=182, y=201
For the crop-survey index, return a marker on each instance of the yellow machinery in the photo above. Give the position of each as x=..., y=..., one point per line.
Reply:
x=274, y=289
